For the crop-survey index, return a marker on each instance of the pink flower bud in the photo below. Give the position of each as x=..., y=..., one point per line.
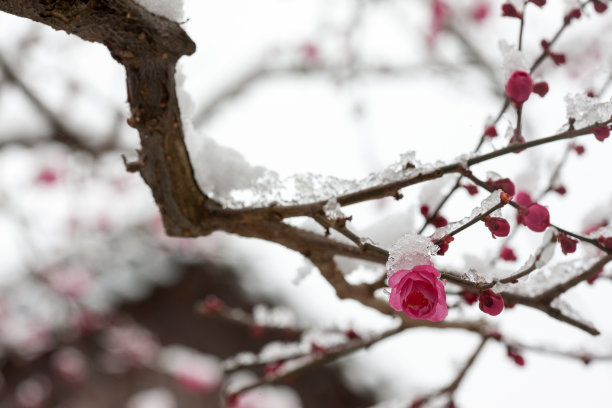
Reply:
x=535, y=217
x=558, y=58
x=514, y=354
x=469, y=297
x=490, y=131
x=471, y=189
x=424, y=210
x=443, y=244
x=439, y=221
x=504, y=184
x=47, y=176
x=601, y=133
x=573, y=14
x=561, y=190
x=519, y=86
x=351, y=334
x=523, y=199
x=508, y=10
x=568, y=245
x=578, y=149
x=600, y=6
x=480, y=11
x=499, y=227
x=490, y=302
x=418, y=293
x=541, y=88
x=605, y=242
x=507, y=254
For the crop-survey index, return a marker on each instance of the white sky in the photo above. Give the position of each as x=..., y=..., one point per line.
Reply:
x=307, y=124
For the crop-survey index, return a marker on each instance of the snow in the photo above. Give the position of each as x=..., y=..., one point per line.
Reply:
x=409, y=251
x=171, y=9
x=273, y=317
x=513, y=59
x=152, y=398
x=587, y=111
x=202, y=371
x=488, y=203
x=333, y=210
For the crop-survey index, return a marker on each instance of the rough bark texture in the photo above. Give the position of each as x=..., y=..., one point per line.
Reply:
x=149, y=47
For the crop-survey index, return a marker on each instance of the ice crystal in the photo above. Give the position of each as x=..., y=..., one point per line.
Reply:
x=491, y=201
x=587, y=111
x=332, y=209
x=409, y=251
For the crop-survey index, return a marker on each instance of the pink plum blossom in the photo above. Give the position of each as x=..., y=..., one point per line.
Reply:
x=490, y=302
x=519, y=86
x=568, y=245
x=498, y=226
x=419, y=293
x=535, y=217
x=507, y=254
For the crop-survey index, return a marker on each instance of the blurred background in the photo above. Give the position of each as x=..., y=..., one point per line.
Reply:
x=97, y=305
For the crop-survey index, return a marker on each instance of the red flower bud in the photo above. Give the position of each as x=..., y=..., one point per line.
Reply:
x=519, y=86
x=558, y=58
x=523, y=199
x=469, y=297
x=504, y=184
x=490, y=302
x=600, y=6
x=541, y=88
x=573, y=14
x=471, y=189
x=507, y=254
x=439, y=221
x=539, y=3
x=578, y=149
x=514, y=354
x=499, y=227
x=601, y=133
x=535, y=217
x=424, y=210
x=508, y=10
x=568, y=245
x=561, y=190
x=443, y=244
x=490, y=131
x=605, y=242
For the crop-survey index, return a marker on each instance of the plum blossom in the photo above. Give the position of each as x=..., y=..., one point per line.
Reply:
x=568, y=245
x=507, y=254
x=490, y=302
x=535, y=217
x=419, y=293
x=519, y=86
x=498, y=226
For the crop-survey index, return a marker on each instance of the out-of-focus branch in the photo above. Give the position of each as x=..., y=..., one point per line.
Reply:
x=61, y=134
